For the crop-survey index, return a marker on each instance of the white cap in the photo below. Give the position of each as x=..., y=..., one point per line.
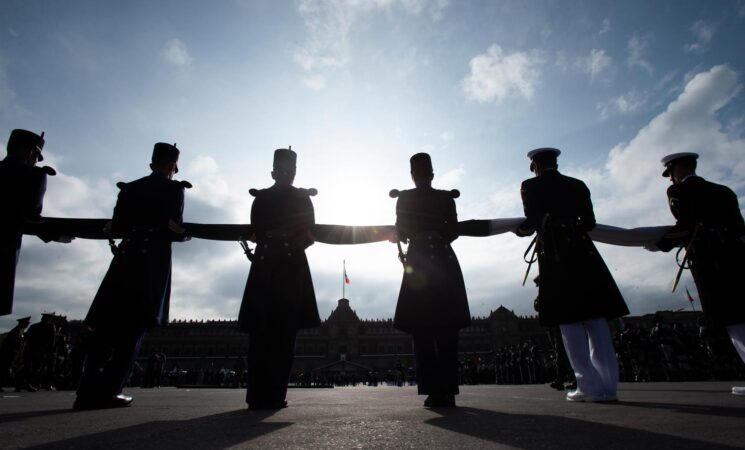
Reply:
x=533, y=153
x=671, y=158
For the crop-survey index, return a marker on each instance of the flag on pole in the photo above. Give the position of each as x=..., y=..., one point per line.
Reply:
x=690, y=297
x=346, y=278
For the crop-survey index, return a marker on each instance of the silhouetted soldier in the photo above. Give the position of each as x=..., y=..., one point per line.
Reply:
x=39, y=356
x=711, y=229
x=22, y=188
x=432, y=303
x=576, y=291
x=135, y=293
x=10, y=348
x=279, y=298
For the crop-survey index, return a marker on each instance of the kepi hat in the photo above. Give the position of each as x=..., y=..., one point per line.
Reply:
x=285, y=160
x=421, y=163
x=164, y=153
x=668, y=160
x=23, y=139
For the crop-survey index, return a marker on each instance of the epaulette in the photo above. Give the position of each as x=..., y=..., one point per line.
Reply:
x=121, y=185
x=310, y=192
x=183, y=183
x=47, y=170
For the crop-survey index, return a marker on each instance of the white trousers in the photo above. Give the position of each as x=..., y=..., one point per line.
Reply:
x=737, y=334
x=589, y=346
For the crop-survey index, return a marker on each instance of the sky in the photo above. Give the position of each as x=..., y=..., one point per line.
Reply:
x=357, y=87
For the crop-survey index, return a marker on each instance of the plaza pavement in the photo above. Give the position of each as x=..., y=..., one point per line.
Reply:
x=698, y=415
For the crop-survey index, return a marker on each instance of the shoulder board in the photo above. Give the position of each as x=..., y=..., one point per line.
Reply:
x=395, y=193
x=311, y=192
x=47, y=170
x=183, y=183
x=453, y=193
x=121, y=185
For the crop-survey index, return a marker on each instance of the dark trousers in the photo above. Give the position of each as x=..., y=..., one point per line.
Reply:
x=270, y=357
x=109, y=360
x=563, y=369
x=10, y=248
x=436, y=354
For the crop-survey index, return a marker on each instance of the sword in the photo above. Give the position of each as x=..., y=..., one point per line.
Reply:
x=682, y=264
x=247, y=250
x=533, y=257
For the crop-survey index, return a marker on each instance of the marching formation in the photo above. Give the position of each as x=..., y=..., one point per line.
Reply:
x=432, y=306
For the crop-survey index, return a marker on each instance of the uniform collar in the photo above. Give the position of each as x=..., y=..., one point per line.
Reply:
x=693, y=175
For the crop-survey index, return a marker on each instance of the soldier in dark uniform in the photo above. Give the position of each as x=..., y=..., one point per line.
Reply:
x=279, y=298
x=710, y=226
x=11, y=347
x=576, y=291
x=432, y=303
x=135, y=293
x=22, y=188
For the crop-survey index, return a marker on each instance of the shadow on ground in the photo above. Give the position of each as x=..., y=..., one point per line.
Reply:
x=530, y=431
x=210, y=432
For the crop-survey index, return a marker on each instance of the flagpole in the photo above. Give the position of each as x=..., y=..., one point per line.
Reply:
x=343, y=280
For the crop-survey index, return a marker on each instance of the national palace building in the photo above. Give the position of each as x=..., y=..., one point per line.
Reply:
x=346, y=343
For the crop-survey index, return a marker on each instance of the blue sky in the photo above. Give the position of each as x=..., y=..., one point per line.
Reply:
x=356, y=87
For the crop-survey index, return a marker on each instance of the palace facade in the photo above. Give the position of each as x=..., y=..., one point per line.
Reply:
x=342, y=343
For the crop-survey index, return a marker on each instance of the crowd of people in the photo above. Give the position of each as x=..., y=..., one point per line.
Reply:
x=45, y=355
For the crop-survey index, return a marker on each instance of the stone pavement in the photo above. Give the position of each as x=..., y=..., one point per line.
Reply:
x=650, y=415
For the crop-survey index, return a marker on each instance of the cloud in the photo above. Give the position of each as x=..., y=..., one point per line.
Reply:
x=636, y=47
x=315, y=82
x=689, y=123
x=175, y=53
x=13, y=32
x=328, y=24
x=604, y=27
x=7, y=95
x=450, y=179
x=703, y=32
x=626, y=103
x=595, y=63
x=496, y=75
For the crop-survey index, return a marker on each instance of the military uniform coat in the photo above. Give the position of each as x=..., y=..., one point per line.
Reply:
x=433, y=293
x=575, y=283
x=279, y=290
x=716, y=253
x=137, y=287
x=22, y=191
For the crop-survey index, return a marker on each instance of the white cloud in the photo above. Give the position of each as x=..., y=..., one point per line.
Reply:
x=6, y=93
x=604, y=27
x=595, y=63
x=450, y=179
x=496, y=75
x=328, y=24
x=703, y=32
x=13, y=32
x=688, y=124
x=626, y=103
x=175, y=53
x=636, y=47
x=315, y=82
